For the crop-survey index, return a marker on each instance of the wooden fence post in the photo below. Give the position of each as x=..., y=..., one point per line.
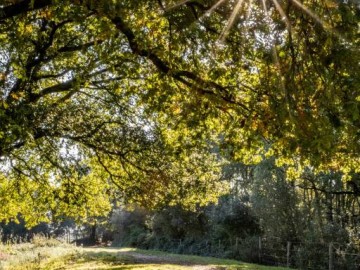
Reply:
x=237, y=243
x=288, y=246
x=331, y=257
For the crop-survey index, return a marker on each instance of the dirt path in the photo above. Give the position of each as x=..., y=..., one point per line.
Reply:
x=156, y=259
x=137, y=259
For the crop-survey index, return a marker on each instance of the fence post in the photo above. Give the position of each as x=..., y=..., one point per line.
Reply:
x=288, y=246
x=260, y=247
x=219, y=245
x=237, y=243
x=331, y=257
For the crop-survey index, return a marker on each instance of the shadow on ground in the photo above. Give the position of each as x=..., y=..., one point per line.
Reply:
x=131, y=259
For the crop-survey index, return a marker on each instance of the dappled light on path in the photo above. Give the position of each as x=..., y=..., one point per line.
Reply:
x=129, y=258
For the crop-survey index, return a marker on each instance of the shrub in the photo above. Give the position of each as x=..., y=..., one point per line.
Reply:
x=40, y=240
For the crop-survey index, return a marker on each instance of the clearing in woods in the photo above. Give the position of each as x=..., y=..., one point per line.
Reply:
x=129, y=259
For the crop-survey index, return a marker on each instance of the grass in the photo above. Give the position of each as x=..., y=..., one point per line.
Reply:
x=41, y=253
x=153, y=260
x=61, y=257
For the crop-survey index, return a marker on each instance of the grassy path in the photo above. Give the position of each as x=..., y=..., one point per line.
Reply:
x=52, y=256
x=134, y=259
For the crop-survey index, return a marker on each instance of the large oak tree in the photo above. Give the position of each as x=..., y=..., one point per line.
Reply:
x=98, y=96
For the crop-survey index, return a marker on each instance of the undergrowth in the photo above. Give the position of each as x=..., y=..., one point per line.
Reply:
x=40, y=253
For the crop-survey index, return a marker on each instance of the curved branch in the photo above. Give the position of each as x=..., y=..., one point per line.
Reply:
x=188, y=78
x=21, y=7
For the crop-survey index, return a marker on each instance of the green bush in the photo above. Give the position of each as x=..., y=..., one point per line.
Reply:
x=40, y=240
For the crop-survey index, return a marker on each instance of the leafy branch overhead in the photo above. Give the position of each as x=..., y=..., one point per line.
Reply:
x=131, y=99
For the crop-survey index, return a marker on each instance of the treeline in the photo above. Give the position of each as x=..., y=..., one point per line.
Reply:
x=208, y=231
x=267, y=218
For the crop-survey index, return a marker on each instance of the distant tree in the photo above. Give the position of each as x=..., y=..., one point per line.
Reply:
x=274, y=199
x=129, y=226
x=232, y=219
x=17, y=232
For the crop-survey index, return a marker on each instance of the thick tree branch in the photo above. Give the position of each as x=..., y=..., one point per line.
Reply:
x=58, y=88
x=17, y=145
x=342, y=192
x=189, y=78
x=21, y=7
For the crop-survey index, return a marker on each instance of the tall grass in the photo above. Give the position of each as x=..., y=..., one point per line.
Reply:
x=40, y=253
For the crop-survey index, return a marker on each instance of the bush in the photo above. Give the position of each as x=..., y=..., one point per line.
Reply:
x=40, y=240
x=248, y=249
x=129, y=228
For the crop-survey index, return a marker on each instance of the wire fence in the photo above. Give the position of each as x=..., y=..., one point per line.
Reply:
x=273, y=251
x=309, y=255
x=68, y=235
x=269, y=251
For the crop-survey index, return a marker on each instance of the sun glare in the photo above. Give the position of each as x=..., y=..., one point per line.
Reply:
x=310, y=13
x=231, y=20
x=246, y=8
x=239, y=5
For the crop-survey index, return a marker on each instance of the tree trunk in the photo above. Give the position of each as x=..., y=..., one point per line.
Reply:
x=93, y=236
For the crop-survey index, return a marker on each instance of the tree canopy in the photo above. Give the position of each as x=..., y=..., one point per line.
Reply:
x=101, y=99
